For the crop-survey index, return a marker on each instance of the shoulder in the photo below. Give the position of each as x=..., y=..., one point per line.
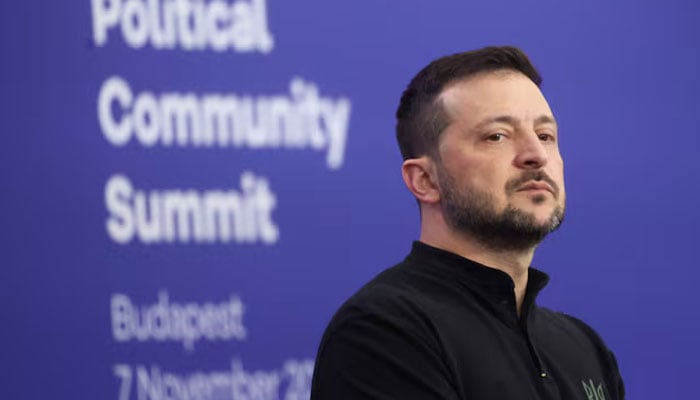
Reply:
x=377, y=338
x=390, y=299
x=573, y=326
x=392, y=311
x=580, y=334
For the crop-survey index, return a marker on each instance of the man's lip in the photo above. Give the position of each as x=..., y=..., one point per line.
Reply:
x=536, y=186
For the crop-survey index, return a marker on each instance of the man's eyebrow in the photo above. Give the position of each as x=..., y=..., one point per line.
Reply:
x=545, y=119
x=511, y=120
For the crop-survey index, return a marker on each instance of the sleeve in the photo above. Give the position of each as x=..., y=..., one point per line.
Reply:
x=615, y=377
x=612, y=372
x=374, y=356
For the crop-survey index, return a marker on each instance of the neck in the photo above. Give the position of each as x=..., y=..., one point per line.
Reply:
x=515, y=263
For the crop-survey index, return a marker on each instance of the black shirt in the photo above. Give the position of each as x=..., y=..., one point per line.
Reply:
x=439, y=326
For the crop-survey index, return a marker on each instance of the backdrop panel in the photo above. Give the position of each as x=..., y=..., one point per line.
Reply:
x=191, y=188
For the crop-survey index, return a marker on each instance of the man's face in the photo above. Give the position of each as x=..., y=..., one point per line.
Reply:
x=500, y=172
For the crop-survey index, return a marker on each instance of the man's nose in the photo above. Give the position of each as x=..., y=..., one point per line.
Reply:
x=531, y=152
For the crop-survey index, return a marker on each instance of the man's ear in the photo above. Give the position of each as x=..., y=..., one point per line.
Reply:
x=420, y=178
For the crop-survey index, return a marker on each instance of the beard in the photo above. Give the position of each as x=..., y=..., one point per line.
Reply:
x=472, y=212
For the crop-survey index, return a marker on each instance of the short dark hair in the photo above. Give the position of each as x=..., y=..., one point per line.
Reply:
x=421, y=117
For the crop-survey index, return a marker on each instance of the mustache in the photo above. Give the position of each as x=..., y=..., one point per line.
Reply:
x=513, y=184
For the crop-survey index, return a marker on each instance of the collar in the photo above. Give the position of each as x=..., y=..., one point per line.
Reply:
x=492, y=285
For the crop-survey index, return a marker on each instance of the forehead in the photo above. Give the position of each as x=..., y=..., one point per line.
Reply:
x=483, y=96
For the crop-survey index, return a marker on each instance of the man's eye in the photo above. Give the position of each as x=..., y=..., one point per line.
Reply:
x=496, y=137
x=545, y=137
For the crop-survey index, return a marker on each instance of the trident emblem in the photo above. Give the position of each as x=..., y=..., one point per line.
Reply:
x=593, y=392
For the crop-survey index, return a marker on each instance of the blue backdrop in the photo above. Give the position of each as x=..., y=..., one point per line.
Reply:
x=190, y=189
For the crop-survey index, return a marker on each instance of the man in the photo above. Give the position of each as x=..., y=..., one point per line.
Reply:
x=457, y=318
